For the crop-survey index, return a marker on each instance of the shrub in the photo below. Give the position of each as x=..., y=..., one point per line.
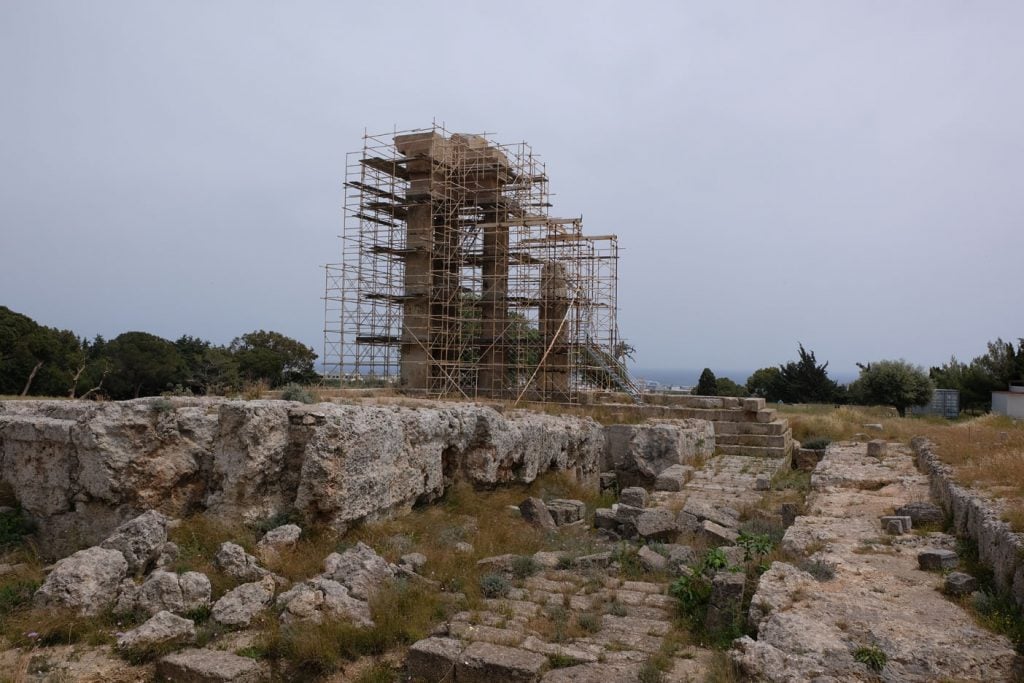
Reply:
x=871, y=657
x=523, y=566
x=591, y=623
x=819, y=569
x=494, y=586
x=14, y=527
x=296, y=392
x=16, y=594
x=816, y=443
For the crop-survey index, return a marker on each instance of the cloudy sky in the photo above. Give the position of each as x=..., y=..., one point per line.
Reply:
x=849, y=175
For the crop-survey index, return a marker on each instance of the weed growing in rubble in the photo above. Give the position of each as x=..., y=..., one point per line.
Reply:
x=871, y=657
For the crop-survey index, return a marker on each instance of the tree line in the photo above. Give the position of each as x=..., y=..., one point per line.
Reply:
x=886, y=382
x=36, y=360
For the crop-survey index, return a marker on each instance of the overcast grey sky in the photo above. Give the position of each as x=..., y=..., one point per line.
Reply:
x=845, y=174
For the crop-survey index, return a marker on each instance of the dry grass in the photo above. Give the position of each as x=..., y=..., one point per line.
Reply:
x=987, y=452
x=198, y=538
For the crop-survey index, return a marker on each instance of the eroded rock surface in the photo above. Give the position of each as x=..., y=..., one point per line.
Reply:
x=80, y=468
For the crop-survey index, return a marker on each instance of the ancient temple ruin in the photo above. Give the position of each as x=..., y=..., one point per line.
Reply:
x=456, y=281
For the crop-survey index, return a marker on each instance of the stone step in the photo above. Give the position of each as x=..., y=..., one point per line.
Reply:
x=779, y=441
x=722, y=414
x=773, y=428
x=757, y=451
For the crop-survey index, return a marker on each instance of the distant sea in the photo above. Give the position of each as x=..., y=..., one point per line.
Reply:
x=688, y=377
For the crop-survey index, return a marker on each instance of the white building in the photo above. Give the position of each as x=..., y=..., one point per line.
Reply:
x=1010, y=402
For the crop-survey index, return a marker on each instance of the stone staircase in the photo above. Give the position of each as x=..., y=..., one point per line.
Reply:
x=743, y=426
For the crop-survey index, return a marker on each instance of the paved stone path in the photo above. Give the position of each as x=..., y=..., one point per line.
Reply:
x=811, y=630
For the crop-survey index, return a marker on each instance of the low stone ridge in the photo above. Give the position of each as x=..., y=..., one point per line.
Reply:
x=162, y=627
x=209, y=666
x=86, y=581
x=79, y=468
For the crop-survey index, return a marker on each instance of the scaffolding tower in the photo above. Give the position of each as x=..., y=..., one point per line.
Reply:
x=455, y=280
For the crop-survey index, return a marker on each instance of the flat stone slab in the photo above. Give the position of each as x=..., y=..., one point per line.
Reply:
x=719, y=533
x=209, y=666
x=936, y=559
x=488, y=663
x=432, y=659
x=922, y=513
x=958, y=583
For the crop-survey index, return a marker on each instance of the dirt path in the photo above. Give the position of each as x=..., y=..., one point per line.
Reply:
x=877, y=602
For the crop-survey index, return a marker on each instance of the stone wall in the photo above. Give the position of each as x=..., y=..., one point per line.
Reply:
x=978, y=518
x=81, y=468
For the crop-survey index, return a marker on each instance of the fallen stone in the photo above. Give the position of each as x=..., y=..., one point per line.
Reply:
x=565, y=511
x=140, y=540
x=718, y=533
x=319, y=599
x=277, y=539
x=209, y=666
x=604, y=518
x=434, y=659
x=679, y=556
x=896, y=524
x=596, y=560
x=484, y=662
x=86, y=581
x=726, y=601
x=639, y=453
x=719, y=516
x=498, y=563
x=922, y=513
x=762, y=482
x=463, y=548
x=160, y=592
x=168, y=556
x=789, y=513
x=652, y=561
x=360, y=569
x=549, y=560
x=936, y=559
x=414, y=561
x=608, y=482
x=674, y=478
x=877, y=448
x=806, y=459
x=687, y=522
x=634, y=496
x=162, y=627
x=873, y=427
x=232, y=559
x=655, y=524
x=240, y=605
x=958, y=583
x=535, y=512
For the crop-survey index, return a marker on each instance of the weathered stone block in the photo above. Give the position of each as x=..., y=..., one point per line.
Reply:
x=922, y=513
x=633, y=496
x=434, y=659
x=565, y=511
x=674, y=478
x=535, y=512
x=726, y=600
x=762, y=482
x=718, y=533
x=652, y=561
x=933, y=559
x=877, y=448
x=958, y=583
x=655, y=524
x=209, y=666
x=486, y=663
x=604, y=518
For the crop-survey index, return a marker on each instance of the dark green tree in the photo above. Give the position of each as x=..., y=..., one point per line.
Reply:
x=707, y=385
x=766, y=383
x=210, y=369
x=142, y=364
x=892, y=382
x=726, y=387
x=273, y=357
x=804, y=381
x=35, y=359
